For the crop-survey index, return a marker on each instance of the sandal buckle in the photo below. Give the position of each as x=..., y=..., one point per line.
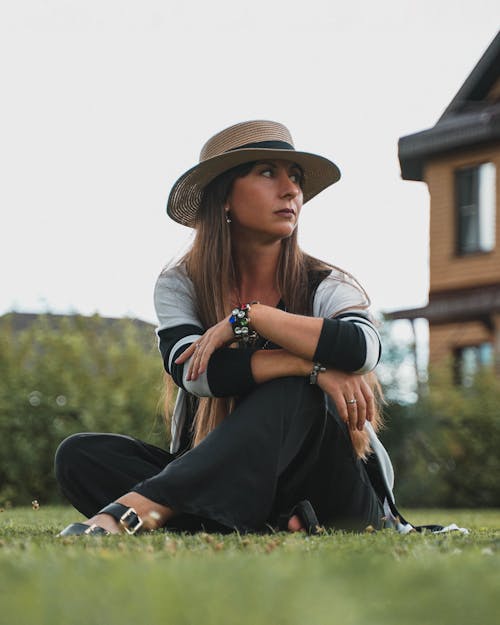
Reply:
x=130, y=521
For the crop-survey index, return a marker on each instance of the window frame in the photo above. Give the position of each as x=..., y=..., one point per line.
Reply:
x=462, y=377
x=476, y=210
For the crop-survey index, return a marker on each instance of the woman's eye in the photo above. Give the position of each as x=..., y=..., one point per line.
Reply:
x=267, y=172
x=296, y=177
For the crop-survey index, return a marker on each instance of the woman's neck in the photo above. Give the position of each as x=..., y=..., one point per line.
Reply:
x=257, y=271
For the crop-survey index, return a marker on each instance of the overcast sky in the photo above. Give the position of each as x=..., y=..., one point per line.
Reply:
x=106, y=102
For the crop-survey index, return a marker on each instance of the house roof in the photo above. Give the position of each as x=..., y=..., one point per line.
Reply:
x=21, y=321
x=462, y=305
x=470, y=119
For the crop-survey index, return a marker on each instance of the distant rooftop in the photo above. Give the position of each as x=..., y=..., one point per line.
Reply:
x=22, y=321
x=471, y=118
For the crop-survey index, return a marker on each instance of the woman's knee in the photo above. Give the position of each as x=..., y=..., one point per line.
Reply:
x=70, y=454
x=292, y=388
x=292, y=398
x=298, y=394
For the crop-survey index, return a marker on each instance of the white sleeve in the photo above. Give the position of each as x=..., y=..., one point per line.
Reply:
x=174, y=300
x=174, y=303
x=339, y=293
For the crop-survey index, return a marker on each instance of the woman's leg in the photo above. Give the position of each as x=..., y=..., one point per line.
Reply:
x=232, y=476
x=278, y=447
x=338, y=485
x=95, y=469
x=273, y=450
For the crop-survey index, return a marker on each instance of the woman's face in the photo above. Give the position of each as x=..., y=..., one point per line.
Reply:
x=266, y=202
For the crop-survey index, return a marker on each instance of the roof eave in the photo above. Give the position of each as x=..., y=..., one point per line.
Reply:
x=455, y=306
x=479, y=80
x=456, y=132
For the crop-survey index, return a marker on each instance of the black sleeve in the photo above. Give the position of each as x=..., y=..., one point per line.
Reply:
x=229, y=371
x=341, y=345
x=168, y=339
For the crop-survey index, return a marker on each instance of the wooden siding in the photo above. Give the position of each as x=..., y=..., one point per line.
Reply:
x=446, y=338
x=447, y=270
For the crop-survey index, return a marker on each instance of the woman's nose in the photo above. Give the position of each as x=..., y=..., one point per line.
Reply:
x=287, y=186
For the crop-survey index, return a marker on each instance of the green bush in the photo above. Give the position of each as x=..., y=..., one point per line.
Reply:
x=62, y=375
x=445, y=446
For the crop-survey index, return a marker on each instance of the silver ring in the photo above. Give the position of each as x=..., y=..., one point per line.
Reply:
x=351, y=401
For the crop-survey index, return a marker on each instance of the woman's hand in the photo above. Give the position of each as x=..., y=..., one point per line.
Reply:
x=215, y=337
x=343, y=388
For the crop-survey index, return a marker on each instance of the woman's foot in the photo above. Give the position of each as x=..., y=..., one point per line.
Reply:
x=147, y=515
x=105, y=521
x=295, y=524
x=303, y=518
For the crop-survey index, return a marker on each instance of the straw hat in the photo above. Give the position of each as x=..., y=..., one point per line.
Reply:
x=244, y=143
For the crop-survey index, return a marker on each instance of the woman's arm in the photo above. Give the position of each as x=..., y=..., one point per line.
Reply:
x=295, y=333
x=202, y=364
x=348, y=343
x=266, y=365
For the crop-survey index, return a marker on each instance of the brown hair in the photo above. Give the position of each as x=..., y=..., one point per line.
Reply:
x=209, y=265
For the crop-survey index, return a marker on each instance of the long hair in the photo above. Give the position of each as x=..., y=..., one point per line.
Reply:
x=210, y=266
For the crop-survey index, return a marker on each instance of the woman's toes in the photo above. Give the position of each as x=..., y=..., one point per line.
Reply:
x=105, y=521
x=295, y=524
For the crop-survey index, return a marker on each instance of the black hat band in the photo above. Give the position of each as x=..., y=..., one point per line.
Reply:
x=272, y=145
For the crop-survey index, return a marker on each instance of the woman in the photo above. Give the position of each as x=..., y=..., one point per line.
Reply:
x=269, y=348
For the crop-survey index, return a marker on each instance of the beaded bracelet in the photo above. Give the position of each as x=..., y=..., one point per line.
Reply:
x=317, y=369
x=240, y=322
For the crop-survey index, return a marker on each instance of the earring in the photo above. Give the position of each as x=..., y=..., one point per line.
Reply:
x=228, y=218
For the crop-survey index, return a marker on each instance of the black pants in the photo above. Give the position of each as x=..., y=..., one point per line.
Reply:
x=279, y=446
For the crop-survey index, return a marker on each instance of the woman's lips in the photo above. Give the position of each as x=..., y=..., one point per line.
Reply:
x=286, y=212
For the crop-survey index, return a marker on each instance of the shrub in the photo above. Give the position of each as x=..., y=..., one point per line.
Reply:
x=62, y=375
x=445, y=446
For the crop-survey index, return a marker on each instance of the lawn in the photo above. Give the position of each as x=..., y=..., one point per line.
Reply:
x=373, y=578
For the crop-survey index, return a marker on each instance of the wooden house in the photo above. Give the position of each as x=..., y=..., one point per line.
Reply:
x=459, y=160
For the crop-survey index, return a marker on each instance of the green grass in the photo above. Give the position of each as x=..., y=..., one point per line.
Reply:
x=380, y=578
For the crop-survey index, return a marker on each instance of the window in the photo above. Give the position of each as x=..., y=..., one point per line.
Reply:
x=475, y=200
x=468, y=361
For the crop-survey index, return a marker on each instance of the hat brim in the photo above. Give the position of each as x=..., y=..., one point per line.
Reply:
x=185, y=197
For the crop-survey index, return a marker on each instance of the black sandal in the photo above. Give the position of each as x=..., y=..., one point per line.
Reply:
x=307, y=516
x=80, y=529
x=127, y=519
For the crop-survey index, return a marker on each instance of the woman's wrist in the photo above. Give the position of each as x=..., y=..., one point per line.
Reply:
x=317, y=368
x=297, y=334
x=278, y=363
x=240, y=322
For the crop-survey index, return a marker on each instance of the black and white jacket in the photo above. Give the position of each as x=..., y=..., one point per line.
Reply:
x=349, y=341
